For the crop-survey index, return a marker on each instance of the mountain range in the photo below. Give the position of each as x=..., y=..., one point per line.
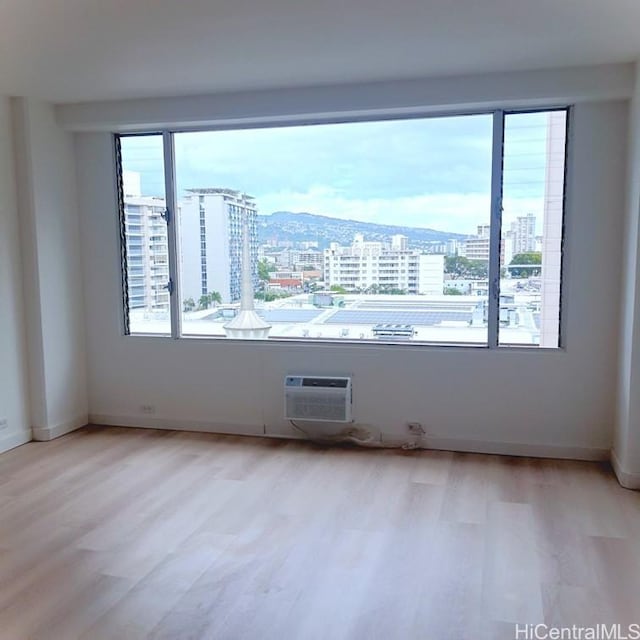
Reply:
x=286, y=226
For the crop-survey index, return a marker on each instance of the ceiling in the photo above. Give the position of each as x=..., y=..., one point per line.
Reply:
x=76, y=50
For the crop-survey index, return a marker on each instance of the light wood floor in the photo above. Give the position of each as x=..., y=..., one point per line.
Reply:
x=128, y=533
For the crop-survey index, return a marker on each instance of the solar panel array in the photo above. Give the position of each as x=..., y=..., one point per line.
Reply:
x=423, y=318
x=357, y=316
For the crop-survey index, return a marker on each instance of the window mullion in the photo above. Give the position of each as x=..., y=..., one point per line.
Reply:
x=172, y=234
x=497, y=158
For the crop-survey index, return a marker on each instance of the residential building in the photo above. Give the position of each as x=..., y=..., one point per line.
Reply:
x=302, y=260
x=523, y=231
x=399, y=242
x=479, y=247
x=452, y=247
x=147, y=248
x=366, y=265
x=484, y=231
x=298, y=259
x=476, y=249
x=211, y=235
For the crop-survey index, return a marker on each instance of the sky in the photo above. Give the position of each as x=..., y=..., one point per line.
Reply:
x=427, y=172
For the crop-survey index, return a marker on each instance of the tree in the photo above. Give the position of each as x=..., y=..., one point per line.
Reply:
x=336, y=288
x=188, y=305
x=463, y=268
x=270, y=296
x=209, y=299
x=393, y=291
x=264, y=270
x=529, y=258
x=452, y=291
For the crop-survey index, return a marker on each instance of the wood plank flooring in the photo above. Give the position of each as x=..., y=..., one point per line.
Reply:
x=125, y=534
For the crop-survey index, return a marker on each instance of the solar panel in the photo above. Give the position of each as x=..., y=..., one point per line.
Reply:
x=424, y=318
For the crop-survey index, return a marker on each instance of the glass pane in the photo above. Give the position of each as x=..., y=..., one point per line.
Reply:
x=355, y=231
x=147, y=246
x=533, y=207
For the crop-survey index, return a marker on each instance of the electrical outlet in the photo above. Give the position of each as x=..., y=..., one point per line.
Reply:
x=4, y=424
x=416, y=428
x=149, y=409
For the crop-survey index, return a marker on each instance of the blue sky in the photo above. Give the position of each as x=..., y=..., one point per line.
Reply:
x=432, y=172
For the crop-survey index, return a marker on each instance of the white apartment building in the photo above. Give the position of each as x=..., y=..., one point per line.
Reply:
x=299, y=259
x=308, y=258
x=476, y=249
x=524, y=234
x=374, y=264
x=211, y=242
x=147, y=248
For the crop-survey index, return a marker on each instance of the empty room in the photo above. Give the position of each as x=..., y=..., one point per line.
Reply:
x=319, y=320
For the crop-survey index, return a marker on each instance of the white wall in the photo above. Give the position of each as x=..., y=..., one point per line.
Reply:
x=52, y=269
x=14, y=405
x=548, y=402
x=627, y=438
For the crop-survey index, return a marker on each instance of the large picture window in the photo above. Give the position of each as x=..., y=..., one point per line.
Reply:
x=439, y=230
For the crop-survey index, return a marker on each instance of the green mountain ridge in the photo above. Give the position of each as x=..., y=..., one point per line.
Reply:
x=286, y=226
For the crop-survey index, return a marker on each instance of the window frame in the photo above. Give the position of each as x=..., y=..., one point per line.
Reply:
x=497, y=170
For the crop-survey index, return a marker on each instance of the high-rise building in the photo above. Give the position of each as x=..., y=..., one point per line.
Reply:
x=484, y=230
x=211, y=223
x=374, y=265
x=399, y=243
x=524, y=234
x=147, y=247
x=452, y=247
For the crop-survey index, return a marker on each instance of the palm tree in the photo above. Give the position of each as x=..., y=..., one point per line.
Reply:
x=215, y=297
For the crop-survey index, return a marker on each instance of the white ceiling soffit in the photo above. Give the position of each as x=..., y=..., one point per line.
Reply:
x=527, y=89
x=80, y=50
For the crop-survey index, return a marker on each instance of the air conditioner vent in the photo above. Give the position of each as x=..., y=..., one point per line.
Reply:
x=317, y=399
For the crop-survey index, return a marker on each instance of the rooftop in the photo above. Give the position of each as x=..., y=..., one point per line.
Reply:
x=221, y=191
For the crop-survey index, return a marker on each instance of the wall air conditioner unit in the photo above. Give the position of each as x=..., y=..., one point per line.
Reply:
x=317, y=398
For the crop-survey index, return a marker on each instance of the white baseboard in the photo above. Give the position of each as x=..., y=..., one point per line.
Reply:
x=520, y=449
x=43, y=434
x=626, y=479
x=149, y=422
x=389, y=440
x=13, y=440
